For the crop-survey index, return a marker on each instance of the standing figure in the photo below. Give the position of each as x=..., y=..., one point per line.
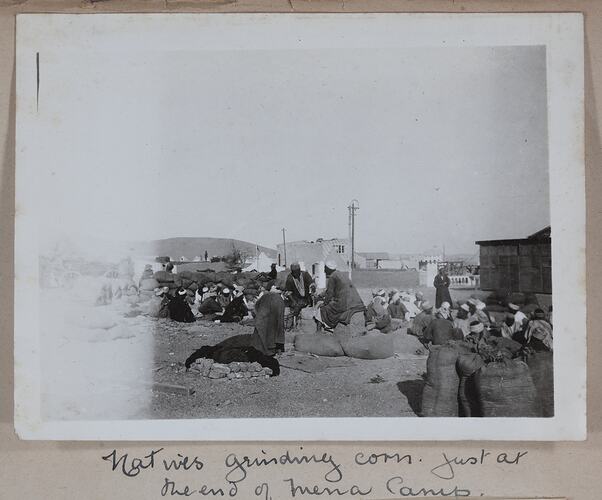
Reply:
x=269, y=323
x=441, y=283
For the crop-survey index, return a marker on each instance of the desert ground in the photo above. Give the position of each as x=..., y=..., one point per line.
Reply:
x=113, y=361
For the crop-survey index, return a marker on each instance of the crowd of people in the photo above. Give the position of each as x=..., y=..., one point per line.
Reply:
x=340, y=303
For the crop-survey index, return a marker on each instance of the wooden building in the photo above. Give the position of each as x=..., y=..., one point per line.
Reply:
x=520, y=265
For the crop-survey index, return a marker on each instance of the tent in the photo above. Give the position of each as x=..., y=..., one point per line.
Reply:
x=261, y=263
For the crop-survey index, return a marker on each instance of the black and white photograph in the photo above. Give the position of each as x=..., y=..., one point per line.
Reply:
x=300, y=227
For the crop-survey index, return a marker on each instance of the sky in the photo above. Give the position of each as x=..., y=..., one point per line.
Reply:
x=440, y=146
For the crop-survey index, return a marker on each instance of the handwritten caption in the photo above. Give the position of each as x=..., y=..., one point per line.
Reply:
x=243, y=476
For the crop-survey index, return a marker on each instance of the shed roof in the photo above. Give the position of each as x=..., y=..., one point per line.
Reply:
x=542, y=236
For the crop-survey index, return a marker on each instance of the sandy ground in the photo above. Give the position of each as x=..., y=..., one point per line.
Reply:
x=390, y=387
x=114, y=362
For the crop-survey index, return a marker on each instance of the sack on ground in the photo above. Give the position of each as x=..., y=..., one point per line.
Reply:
x=440, y=394
x=541, y=367
x=355, y=328
x=505, y=389
x=372, y=345
x=318, y=343
x=164, y=277
x=467, y=365
x=148, y=284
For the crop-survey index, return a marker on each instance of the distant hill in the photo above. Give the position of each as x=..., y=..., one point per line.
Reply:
x=193, y=247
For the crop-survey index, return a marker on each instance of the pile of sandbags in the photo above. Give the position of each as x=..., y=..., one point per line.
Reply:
x=541, y=367
x=369, y=345
x=440, y=393
x=319, y=344
x=488, y=378
x=505, y=389
x=372, y=345
x=231, y=371
x=251, y=282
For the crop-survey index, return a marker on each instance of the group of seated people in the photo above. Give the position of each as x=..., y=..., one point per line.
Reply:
x=217, y=303
x=528, y=325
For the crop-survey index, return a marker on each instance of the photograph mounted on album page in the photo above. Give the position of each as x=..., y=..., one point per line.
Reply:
x=300, y=227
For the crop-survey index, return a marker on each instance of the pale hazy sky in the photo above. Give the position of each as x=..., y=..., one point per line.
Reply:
x=439, y=145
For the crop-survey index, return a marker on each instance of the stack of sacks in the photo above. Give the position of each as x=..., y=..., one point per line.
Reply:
x=193, y=280
x=487, y=378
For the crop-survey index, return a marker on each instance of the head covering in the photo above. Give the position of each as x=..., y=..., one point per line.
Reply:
x=512, y=306
x=226, y=291
x=480, y=305
x=445, y=305
x=181, y=291
x=381, y=293
x=476, y=327
x=465, y=307
x=165, y=289
x=426, y=305
x=295, y=266
x=237, y=293
x=331, y=264
x=472, y=301
x=539, y=314
x=205, y=289
x=419, y=295
x=159, y=292
x=395, y=297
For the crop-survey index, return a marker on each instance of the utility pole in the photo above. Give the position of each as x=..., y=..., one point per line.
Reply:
x=353, y=207
x=284, y=243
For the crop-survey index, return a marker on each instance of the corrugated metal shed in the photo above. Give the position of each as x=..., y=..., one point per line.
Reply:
x=521, y=265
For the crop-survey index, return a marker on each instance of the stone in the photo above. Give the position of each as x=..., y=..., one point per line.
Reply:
x=247, y=374
x=218, y=371
x=235, y=366
x=255, y=367
x=244, y=367
x=231, y=375
x=207, y=367
x=267, y=371
x=238, y=375
x=255, y=374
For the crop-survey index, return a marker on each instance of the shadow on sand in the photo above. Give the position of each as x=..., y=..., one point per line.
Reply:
x=412, y=390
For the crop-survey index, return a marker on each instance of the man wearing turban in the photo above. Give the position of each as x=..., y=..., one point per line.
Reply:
x=341, y=299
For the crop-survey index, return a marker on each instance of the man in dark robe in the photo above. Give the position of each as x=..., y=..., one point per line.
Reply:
x=422, y=320
x=341, y=299
x=440, y=330
x=298, y=290
x=269, y=279
x=378, y=315
x=179, y=309
x=396, y=308
x=236, y=310
x=210, y=308
x=269, y=323
x=441, y=283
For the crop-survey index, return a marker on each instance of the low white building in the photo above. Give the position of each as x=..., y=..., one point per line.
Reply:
x=312, y=255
